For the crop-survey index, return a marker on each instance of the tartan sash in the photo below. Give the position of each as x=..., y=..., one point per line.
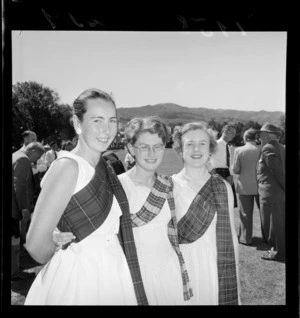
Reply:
x=126, y=237
x=160, y=192
x=88, y=209
x=210, y=199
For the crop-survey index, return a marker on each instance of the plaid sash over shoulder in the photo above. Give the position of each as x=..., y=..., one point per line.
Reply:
x=126, y=237
x=160, y=192
x=88, y=209
x=210, y=199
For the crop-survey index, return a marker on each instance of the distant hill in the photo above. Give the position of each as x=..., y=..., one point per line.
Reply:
x=173, y=113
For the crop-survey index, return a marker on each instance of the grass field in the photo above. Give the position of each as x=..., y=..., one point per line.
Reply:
x=261, y=282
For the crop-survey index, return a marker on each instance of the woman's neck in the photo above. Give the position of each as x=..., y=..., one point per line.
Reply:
x=194, y=174
x=142, y=177
x=91, y=157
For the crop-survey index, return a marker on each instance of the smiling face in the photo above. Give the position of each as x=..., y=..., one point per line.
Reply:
x=195, y=148
x=148, y=160
x=98, y=127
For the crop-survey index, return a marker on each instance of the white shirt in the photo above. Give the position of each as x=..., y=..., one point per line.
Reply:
x=218, y=159
x=41, y=163
x=50, y=157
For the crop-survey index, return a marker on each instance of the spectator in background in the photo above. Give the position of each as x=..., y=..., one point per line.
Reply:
x=271, y=189
x=22, y=201
x=129, y=160
x=113, y=160
x=28, y=137
x=51, y=154
x=41, y=164
x=244, y=164
x=220, y=160
x=68, y=145
x=39, y=169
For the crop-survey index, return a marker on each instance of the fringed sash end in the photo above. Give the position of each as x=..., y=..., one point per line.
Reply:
x=188, y=294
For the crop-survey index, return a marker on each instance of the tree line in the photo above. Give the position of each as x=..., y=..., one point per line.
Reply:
x=37, y=108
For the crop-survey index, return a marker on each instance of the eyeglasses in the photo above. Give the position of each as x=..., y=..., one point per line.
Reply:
x=143, y=148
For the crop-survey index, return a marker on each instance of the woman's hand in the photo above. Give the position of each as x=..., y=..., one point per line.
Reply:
x=62, y=238
x=229, y=179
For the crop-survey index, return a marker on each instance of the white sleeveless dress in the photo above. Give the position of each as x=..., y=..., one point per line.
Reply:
x=201, y=256
x=158, y=261
x=93, y=271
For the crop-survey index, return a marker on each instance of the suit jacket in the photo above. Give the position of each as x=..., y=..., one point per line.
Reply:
x=271, y=173
x=244, y=163
x=22, y=184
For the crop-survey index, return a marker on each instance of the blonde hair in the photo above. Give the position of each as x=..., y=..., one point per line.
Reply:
x=179, y=131
x=152, y=124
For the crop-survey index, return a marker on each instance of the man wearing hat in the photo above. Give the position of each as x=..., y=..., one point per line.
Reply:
x=271, y=189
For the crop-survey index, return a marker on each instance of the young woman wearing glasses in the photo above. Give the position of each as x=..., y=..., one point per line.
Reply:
x=154, y=224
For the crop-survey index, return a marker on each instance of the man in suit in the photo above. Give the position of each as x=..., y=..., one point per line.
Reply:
x=22, y=197
x=220, y=160
x=271, y=189
x=244, y=164
x=28, y=137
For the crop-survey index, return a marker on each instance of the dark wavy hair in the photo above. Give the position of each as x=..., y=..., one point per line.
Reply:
x=79, y=105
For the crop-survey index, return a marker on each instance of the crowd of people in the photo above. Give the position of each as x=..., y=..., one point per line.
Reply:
x=113, y=235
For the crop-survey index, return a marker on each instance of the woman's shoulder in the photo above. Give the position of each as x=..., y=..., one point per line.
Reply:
x=64, y=166
x=68, y=154
x=177, y=180
x=63, y=169
x=218, y=180
x=72, y=156
x=175, y=175
x=123, y=177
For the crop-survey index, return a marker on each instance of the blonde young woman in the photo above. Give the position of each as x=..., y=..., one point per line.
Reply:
x=204, y=210
x=81, y=194
x=153, y=217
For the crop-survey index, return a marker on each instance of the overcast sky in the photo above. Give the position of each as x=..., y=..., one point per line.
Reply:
x=238, y=71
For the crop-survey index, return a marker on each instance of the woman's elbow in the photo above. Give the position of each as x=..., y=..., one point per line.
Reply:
x=38, y=251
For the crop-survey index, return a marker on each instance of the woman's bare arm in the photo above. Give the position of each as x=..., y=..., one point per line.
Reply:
x=52, y=201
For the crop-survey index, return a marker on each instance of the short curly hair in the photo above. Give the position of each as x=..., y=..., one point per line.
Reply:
x=179, y=131
x=152, y=124
x=250, y=135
